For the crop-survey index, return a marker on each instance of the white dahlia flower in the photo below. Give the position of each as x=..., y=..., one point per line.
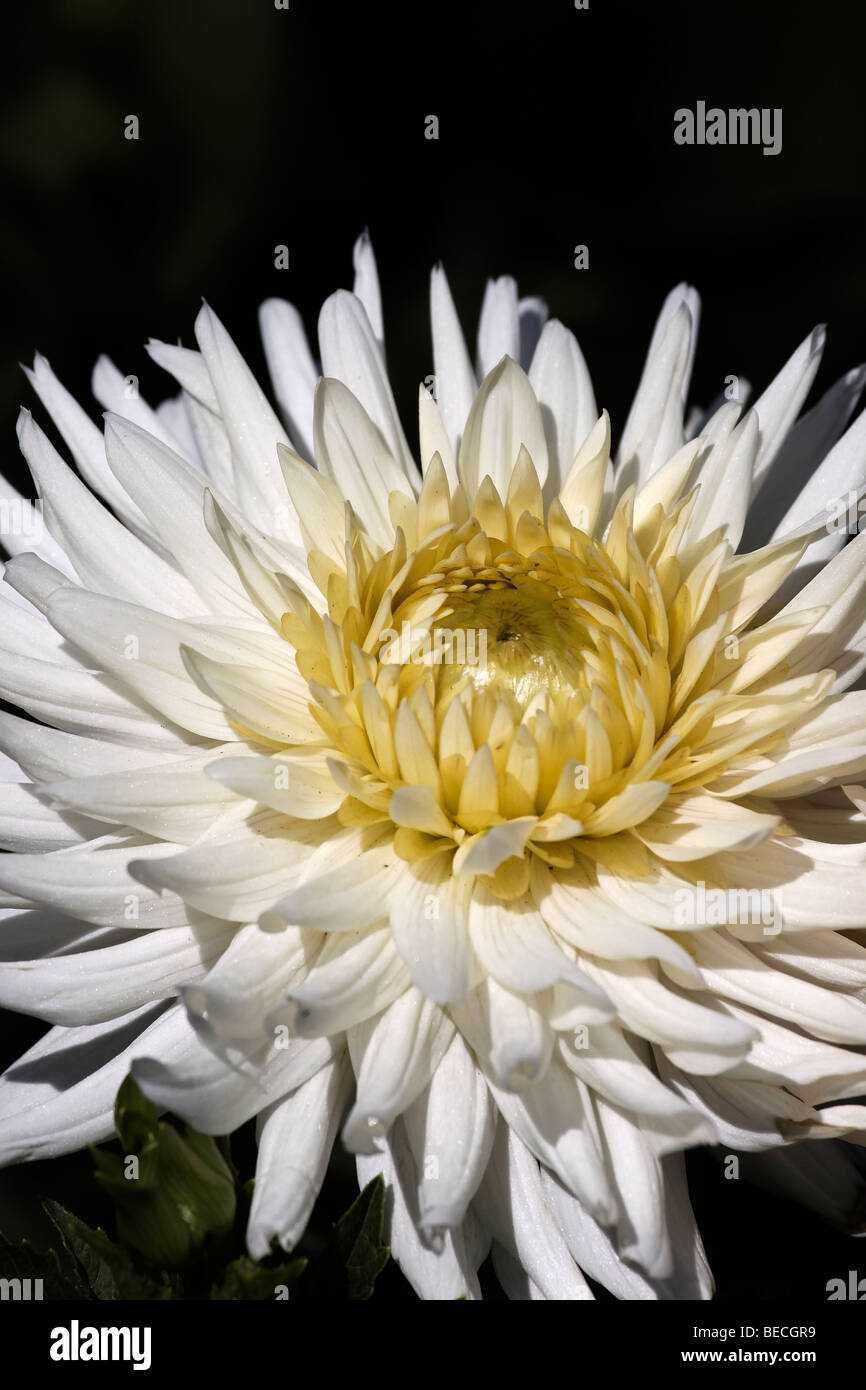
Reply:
x=490, y=816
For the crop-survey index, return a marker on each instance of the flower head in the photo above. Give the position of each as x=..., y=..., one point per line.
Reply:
x=499, y=815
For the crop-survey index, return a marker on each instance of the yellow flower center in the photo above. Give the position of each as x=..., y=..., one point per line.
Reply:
x=500, y=684
x=519, y=637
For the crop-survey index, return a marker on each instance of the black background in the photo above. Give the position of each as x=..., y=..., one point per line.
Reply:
x=261, y=127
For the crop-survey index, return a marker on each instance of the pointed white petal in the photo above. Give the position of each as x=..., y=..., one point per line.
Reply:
x=293, y=372
x=394, y=1057
x=561, y=381
x=353, y=454
x=440, y=1274
x=429, y=919
x=92, y=986
x=351, y=981
x=504, y=418
x=60, y=1095
x=499, y=325
x=455, y=380
x=512, y=1205
x=297, y=782
x=86, y=445
x=366, y=286
x=654, y=428
x=242, y=872
x=351, y=355
x=105, y=555
x=253, y=429
x=450, y=1128
x=217, y=1094
x=779, y=406
x=296, y=1135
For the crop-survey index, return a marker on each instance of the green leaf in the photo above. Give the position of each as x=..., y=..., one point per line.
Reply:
x=245, y=1279
x=136, y=1117
x=105, y=1269
x=359, y=1239
x=173, y=1189
x=347, y=1264
x=21, y=1260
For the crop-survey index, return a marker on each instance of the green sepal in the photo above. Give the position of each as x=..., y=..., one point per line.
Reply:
x=173, y=1190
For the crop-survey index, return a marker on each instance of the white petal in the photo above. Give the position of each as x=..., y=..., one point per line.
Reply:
x=106, y=556
x=177, y=802
x=46, y=754
x=297, y=782
x=366, y=286
x=29, y=826
x=86, y=445
x=352, y=453
x=253, y=429
x=483, y=853
x=293, y=371
x=60, y=1095
x=239, y=873
x=352, y=980
x=450, y=1128
x=270, y=702
x=697, y=825
x=779, y=406
x=438, y=1275
x=296, y=1135
x=512, y=1204
x=643, y=1232
x=212, y=444
x=805, y=893
x=725, y=479
x=22, y=529
x=508, y=1033
x=609, y=1064
x=838, y=639
x=433, y=438
x=814, y=1071
x=142, y=650
x=394, y=1057
x=499, y=325
x=351, y=894
x=189, y=370
x=654, y=428
x=216, y=1095
x=592, y=1247
x=587, y=919
x=533, y=314
x=731, y=970
x=455, y=380
x=811, y=438
x=171, y=492
x=514, y=945
x=233, y=1002
x=561, y=381
x=504, y=418
x=121, y=396
x=92, y=881
x=174, y=419
x=825, y=957
x=91, y=986
x=556, y=1121
x=659, y=1013
x=839, y=482
x=351, y=354
x=79, y=702
x=429, y=919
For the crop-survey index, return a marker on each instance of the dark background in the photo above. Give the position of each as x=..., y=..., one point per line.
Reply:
x=261, y=127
